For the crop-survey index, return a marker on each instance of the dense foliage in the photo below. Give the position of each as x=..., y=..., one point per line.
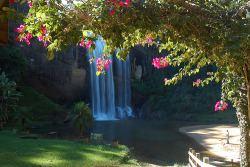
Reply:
x=182, y=98
x=205, y=31
x=13, y=63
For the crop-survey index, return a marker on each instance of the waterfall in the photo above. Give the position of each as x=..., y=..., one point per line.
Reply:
x=105, y=105
x=123, y=96
x=102, y=88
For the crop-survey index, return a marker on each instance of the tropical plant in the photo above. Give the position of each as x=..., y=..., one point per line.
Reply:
x=80, y=117
x=22, y=115
x=8, y=97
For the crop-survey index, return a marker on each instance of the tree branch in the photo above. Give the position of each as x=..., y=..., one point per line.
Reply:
x=248, y=92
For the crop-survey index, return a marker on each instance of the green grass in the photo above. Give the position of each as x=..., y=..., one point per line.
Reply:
x=226, y=116
x=15, y=152
x=40, y=105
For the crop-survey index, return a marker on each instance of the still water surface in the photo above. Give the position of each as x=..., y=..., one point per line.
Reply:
x=156, y=142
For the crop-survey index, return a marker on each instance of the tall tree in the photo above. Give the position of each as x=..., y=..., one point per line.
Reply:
x=204, y=31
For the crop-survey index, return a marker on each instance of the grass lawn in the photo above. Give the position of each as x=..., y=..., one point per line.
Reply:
x=15, y=152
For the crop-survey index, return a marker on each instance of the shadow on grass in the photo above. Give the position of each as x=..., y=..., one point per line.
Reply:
x=19, y=152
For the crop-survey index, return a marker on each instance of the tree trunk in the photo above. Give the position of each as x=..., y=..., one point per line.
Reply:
x=242, y=114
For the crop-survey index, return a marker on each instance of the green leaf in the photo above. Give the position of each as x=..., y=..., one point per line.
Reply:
x=6, y=9
x=23, y=1
x=38, y=14
x=91, y=49
x=174, y=18
x=50, y=55
x=85, y=33
x=98, y=73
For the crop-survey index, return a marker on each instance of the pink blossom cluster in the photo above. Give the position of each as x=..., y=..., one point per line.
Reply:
x=25, y=37
x=198, y=80
x=148, y=40
x=220, y=105
x=121, y=3
x=160, y=62
x=165, y=80
x=44, y=35
x=101, y=64
x=87, y=43
x=29, y=3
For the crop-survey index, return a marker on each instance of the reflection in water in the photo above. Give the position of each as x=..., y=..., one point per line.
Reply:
x=153, y=141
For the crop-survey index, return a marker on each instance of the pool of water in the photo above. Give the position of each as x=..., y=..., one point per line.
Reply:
x=156, y=142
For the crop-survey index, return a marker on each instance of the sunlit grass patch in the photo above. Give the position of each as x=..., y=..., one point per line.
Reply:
x=52, y=153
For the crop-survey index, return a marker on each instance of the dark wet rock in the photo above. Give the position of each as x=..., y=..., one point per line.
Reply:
x=188, y=117
x=131, y=117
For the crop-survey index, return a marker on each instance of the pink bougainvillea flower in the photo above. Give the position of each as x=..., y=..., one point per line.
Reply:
x=150, y=40
x=98, y=61
x=165, y=80
x=88, y=45
x=220, y=105
x=126, y=4
x=121, y=3
x=17, y=39
x=111, y=0
x=115, y=2
x=198, y=80
x=101, y=65
x=29, y=3
x=112, y=12
x=12, y=1
x=17, y=30
x=160, y=62
x=40, y=38
x=107, y=2
x=29, y=35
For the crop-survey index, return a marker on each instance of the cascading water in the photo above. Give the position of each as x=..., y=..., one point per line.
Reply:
x=104, y=104
x=123, y=96
x=102, y=86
